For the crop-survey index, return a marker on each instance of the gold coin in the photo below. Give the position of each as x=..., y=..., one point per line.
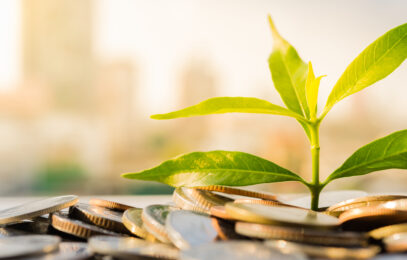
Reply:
x=387, y=231
x=303, y=235
x=150, y=237
x=220, y=212
x=184, y=202
x=205, y=199
x=36, y=208
x=343, y=206
x=240, y=192
x=102, y=217
x=263, y=202
x=396, y=242
x=131, y=248
x=280, y=215
x=133, y=222
x=154, y=217
x=77, y=228
x=323, y=251
x=368, y=218
x=109, y=204
x=399, y=204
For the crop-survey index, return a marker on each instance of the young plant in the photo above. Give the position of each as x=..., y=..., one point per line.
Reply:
x=298, y=87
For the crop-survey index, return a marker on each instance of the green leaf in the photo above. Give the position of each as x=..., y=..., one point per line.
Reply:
x=377, y=61
x=216, y=168
x=288, y=72
x=389, y=152
x=311, y=87
x=222, y=105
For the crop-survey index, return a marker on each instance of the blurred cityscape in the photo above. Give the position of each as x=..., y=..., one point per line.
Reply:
x=74, y=118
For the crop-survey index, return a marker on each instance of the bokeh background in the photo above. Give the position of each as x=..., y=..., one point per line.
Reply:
x=79, y=79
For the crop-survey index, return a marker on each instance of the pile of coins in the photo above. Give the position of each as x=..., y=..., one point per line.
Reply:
x=208, y=223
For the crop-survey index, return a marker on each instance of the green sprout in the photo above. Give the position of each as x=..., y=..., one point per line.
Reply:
x=298, y=87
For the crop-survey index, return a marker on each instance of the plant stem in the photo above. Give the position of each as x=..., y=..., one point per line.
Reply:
x=315, y=187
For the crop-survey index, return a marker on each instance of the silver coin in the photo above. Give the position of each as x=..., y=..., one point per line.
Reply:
x=20, y=246
x=327, y=198
x=129, y=247
x=188, y=228
x=36, y=208
x=236, y=250
x=154, y=218
x=67, y=251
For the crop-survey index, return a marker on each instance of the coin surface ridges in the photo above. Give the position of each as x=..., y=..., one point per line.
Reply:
x=236, y=191
x=154, y=217
x=303, y=235
x=109, y=204
x=205, y=199
x=99, y=216
x=369, y=218
x=133, y=222
x=362, y=202
x=77, y=227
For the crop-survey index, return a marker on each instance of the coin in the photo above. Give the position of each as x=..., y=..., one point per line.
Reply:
x=20, y=246
x=36, y=208
x=303, y=235
x=188, y=228
x=154, y=217
x=396, y=256
x=376, y=200
x=399, y=204
x=369, y=218
x=109, y=204
x=262, y=202
x=323, y=251
x=130, y=247
x=237, y=250
x=133, y=222
x=220, y=212
x=9, y=232
x=99, y=216
x=182, y=201
x=205, y=199
x=67, y=251
x=226, y=229
x=240, y=192
x=396, y=242
x=280, y=215
x=37, y=227
x=77, y=228
x=387, y=231
x=327, y=198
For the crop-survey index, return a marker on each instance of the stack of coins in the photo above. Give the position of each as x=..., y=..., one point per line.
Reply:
x=210, y=223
